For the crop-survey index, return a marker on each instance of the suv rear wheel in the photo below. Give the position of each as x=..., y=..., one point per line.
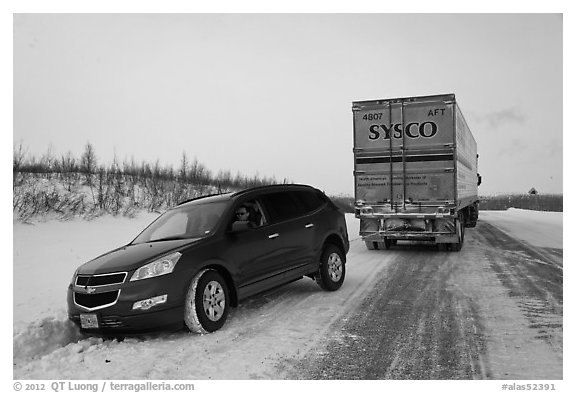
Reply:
x=207, y=302
x=330, y=275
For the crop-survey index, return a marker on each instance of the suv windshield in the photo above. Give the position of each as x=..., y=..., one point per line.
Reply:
x=186, y=222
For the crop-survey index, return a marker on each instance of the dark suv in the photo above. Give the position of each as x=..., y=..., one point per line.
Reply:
x=203, y=256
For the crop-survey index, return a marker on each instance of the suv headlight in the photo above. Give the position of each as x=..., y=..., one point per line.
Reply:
x=73, y=280
x=159, y=267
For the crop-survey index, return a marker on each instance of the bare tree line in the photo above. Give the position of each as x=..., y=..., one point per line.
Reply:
x=71, y=186
x=540, y=202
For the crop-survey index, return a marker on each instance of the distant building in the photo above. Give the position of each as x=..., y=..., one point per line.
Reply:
x=533, y=191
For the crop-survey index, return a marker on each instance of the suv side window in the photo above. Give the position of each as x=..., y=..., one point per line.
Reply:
x=309, y=200
x=256, y=216
x=282, y=206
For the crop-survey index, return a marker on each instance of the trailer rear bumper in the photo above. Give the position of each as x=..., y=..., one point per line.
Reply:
x=434, y=229
x=431, y=237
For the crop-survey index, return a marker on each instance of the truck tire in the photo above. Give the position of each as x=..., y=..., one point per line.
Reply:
x=371, y=245
x=387, y=243
x=472, y=215
x=332, y=271
x=378, y=245
x=207, y=302
x=460, y=230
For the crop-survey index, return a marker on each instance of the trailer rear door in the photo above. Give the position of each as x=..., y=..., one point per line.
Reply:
x=404, y=152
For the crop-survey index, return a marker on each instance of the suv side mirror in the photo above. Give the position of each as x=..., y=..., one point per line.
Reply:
x=240, y=226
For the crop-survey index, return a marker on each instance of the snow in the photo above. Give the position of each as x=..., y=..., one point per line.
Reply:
x=45, y=342
x=263, y=331
x=541, y=229
x=46, y=254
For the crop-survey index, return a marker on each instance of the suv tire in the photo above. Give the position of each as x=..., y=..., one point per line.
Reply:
x=330, y=275
x=207, y=302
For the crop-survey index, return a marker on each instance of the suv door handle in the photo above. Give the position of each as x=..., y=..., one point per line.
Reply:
x=308, y=226
x=273, y=236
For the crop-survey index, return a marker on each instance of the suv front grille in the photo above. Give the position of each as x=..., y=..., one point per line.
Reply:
x=101, y=279
x=111, y=322
x=96, y=300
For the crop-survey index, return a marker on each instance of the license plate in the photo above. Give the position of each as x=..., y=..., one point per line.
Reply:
x=89, y=321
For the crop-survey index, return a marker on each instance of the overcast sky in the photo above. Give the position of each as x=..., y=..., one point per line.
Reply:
x=271, y=94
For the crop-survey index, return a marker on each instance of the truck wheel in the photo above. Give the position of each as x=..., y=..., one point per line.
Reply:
x=207, y=302
x=332, y=271
x=371, y=245
x=387, y=243
x=472, y=215
x=460, y=229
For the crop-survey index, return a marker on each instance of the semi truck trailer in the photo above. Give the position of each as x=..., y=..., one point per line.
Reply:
x=415, y=171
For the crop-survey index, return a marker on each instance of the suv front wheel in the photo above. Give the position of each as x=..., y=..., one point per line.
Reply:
x=207, y=302
x=330, y=275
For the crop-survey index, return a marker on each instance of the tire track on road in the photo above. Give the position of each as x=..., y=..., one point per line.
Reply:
x=414, y=324
x=491, y=311
x=536, y=287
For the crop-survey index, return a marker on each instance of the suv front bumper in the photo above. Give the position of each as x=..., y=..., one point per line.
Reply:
x=116, y=313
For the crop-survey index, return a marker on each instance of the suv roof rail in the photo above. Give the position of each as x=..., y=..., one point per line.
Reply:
x=201, y=197
x=269, y=186
x=240, y=192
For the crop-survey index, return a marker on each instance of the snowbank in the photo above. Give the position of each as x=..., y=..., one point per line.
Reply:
x=42, y=337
